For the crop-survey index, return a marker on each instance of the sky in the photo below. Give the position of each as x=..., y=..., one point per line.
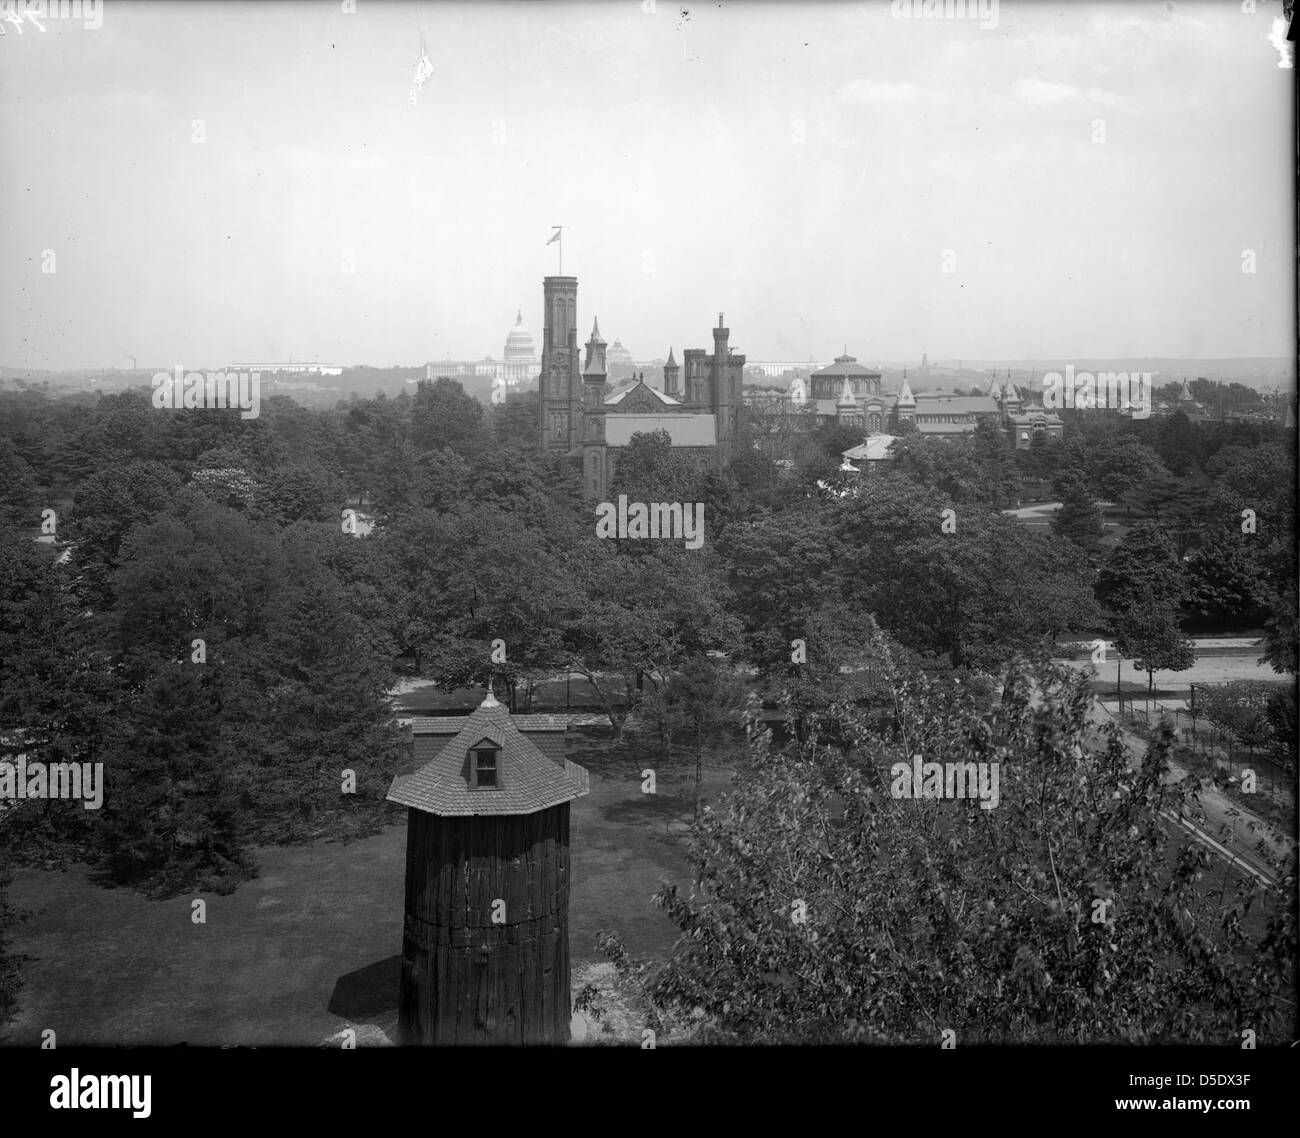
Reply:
x=221, y=182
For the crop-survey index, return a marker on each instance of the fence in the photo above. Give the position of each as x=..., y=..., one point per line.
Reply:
x=1273, y=776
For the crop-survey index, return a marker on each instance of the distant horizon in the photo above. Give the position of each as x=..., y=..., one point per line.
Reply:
x=1180, y=365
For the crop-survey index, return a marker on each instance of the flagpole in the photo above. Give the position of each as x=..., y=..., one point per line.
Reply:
x=558, y=236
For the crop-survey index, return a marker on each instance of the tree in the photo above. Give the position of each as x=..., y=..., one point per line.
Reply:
x=443, y=415
x=1143, y=562
x=702, y=700
x=19, y=506
x=58, y=695
x=641, y=617
x=1146, y=631
x=1078, y=520
x=1241, y=709
x=1227, y=576
x=515, y=422
x=498, y=600
x=171, y=817
x=972, y=585
x=1281, y=636
x=827, y=910
x=10, y=962
x=993, y=452
x=1178, y=444
x=651, y=470
x=107, y=506
x=1121, y=466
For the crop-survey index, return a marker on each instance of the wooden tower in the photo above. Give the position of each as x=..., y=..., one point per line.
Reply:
x=485, y=943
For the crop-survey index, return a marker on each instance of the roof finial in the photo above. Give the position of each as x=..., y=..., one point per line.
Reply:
x=490, y=700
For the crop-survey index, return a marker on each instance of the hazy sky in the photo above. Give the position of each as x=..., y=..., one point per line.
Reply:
x=802, y=167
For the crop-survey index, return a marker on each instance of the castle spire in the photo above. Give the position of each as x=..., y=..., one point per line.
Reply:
x=905, y=396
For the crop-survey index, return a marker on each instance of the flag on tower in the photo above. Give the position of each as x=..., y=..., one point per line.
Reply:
x=556, y=237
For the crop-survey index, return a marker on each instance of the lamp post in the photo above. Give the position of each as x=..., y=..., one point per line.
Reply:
x=1119, y=692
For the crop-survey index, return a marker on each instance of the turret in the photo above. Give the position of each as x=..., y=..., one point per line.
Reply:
x=595, y=362
x=721, y=395
x=671, y=375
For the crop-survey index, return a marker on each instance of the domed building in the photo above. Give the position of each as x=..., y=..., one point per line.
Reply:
x=618, y=357
x=519, y=360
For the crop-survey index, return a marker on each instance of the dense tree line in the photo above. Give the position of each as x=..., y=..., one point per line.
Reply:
x=224, y=646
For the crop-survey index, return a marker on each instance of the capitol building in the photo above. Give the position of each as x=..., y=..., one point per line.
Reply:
x=518, y=362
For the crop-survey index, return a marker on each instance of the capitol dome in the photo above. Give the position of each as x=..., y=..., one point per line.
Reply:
x=619, y=355
x=519, y=344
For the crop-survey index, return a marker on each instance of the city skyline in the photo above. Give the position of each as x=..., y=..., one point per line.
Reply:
x=236, y=181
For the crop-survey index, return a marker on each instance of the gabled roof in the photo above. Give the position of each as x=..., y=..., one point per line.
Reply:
x=530, y=779
x=431, y=733
x=622, y=391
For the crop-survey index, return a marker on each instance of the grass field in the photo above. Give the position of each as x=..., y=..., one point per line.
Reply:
x=312, y=945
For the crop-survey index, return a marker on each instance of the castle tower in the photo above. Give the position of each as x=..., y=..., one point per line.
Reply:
x=905, y=405
x=485, y=943
x=593, y=414
x=559, y=381
x=671, y=375
x=721, y=394
x=695, y=374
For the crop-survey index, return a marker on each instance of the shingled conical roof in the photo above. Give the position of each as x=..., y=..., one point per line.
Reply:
x=527, y=780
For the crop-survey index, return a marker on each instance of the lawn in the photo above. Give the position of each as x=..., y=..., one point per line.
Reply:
x=312, y=945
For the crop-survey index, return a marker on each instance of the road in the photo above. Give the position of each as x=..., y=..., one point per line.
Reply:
x=1227, y=829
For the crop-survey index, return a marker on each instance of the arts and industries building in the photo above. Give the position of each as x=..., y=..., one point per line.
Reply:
x=581, y=421
x=848, y=393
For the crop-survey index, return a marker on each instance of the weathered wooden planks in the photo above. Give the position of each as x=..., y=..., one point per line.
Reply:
x=466, y=978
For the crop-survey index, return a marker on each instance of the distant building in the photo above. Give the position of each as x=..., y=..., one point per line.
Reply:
x=518, y=363
x=591, y=426
x=618, y=356
x=869, y=454
x=849, y=393
x=290, y=368
x=930, y=413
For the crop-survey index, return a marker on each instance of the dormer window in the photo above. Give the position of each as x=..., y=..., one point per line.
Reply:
x=484, y=766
